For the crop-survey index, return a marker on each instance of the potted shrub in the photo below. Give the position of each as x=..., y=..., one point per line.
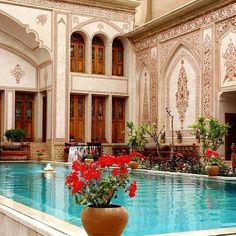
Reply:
x=90, y=187
x=135, y=159
x=14, y=138
x=15, y=135
x=212, y=162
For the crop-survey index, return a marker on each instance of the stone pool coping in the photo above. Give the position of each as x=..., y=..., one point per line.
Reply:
x=52, y=226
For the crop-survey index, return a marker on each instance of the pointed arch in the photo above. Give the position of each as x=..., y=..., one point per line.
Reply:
x=171, y=77
x=174, y=51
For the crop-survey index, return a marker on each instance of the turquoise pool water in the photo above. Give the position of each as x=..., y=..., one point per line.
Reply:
x=163, y=203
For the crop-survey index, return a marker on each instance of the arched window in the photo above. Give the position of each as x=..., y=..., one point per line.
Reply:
x=98, y=56
x=117, y=57
x=77, y=57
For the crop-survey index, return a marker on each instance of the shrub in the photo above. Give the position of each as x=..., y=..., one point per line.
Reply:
x=15, y=135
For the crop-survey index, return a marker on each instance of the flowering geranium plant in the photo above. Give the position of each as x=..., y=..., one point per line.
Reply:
x=212, y=158
x=40, y=151
x=89, y=185
x=135, y=156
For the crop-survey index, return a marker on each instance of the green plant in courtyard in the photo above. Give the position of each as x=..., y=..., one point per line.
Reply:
x=211, y=132
x=15, y=135
x=136, y=136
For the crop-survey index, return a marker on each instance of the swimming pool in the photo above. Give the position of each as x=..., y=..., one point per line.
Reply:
x=163, y=203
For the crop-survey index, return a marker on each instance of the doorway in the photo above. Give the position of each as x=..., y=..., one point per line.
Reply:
x=24, y=116
x=230, y=138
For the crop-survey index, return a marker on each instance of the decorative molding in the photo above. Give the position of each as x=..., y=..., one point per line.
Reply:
x=207, y=78
x=42, y=19
x=222, y=27
x=154, y=85
x=190, y=26
x=145, y=115
x=61, y=21
x=82, y=9
x=17, y=73
x=182, y=94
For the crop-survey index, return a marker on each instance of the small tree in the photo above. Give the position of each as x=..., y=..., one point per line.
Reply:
x=152, y=131
x=136, y=136
x=211, y=132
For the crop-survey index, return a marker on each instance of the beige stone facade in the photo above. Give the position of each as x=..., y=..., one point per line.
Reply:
x=183, y=58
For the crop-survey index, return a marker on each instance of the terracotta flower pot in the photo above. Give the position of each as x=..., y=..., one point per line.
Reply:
x=133, y=164
x=104, y=221
x=88, y=161
x=212, y=170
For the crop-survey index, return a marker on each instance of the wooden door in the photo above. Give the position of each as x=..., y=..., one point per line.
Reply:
x=77, y=117
x=24, y=107
x=230, y=138
x=44, y=128
x=98, y=119
x=118, y=120
x=0, y=117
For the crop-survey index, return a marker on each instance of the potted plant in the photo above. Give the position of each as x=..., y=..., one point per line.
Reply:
x=135, y=159
x=212, y=162
x=89, y=159
x=40, y=152
x=179, y=136
x=15, y=135
x=91, y=187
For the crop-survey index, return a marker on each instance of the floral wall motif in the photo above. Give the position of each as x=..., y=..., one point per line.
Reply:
x=230, y=62
x=182, y=94
x=181, y=83
x=145, y=103
x=17, y=73
x=207, y=74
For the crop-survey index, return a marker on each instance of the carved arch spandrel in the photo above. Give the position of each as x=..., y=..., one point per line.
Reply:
x=181, y=54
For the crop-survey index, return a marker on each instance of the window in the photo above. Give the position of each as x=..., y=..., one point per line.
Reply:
x=117, y=58
x=77, y=51
x=98, y=56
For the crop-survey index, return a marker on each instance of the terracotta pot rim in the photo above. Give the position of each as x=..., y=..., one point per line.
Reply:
x=109, y=206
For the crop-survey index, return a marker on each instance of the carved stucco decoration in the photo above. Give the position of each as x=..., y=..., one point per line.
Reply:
x=45, y=76
x=207, y=80
x=182, y=53
x=82, y=9
x=145, y=115
x=191, y=41
x=42, y=19
x=154, y=85
x=200, y=22
x=225, y=25
x=142, y=57
x=17, y=73
x=182, y=94
x=230, y=62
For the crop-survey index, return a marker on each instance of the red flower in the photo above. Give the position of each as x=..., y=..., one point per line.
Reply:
x=210, y=153
x=89, y=186
x=132, y=189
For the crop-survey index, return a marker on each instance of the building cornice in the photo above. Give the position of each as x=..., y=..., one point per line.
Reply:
x=128, y=5
x=195, y=8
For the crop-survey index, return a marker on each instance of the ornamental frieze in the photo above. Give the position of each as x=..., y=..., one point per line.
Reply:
x=82, y=9
x=200, y=22
x=225, y=25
